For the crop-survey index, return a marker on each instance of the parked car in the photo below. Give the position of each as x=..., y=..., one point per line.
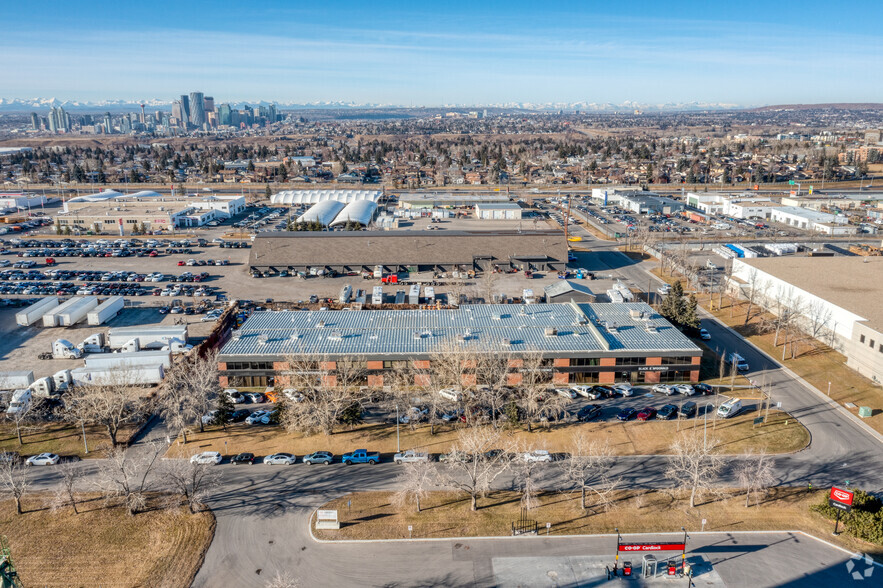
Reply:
x=537, y=455
x=280, y=459
x=206, y=458
x=646, y=413
x=688, y=410
x=566, y=393
x=209, y=417
x=607, y=391
x=410, y=456
x=584, y=391
x=254, y=397
x=626, y=414
x=415, y=414
x=452, y=415
x=624, y=388
x=256, y=417
x=43, y=459
x=664, y=389
x=234, y=395
x=589, y=412
x=237, y=416
x=730, y=408
x=243, y=458
x=685, y=389
x=451, y=394
x=667, y=412
x=704, y=335
x=360, y=456
x=703, y=389
x=323, y=457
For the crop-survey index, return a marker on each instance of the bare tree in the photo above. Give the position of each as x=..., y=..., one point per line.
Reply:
x=193, y=481
x=22, y=414
x=66, y=491
x=588, y=468
x=13, y=478
x=488, y=285
x=534, y=388
x=414, y=480
x=456, y=289
x=111, y=405
x=694, y=465
x=475, y=462
x=817, y=317
x=127, y=474
x=755, y=474
x=524, y=476
x=752, y=290
x=191, y=390
x=283, y=580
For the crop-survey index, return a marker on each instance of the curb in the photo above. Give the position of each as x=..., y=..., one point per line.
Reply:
x=591, y=536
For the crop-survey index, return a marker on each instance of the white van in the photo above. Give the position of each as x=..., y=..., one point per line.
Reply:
x=729, y=408
x=741, y=364
x=451, y=394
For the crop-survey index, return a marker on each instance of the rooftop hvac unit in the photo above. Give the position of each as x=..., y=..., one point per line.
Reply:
x=550, y=332
x=497, y=317
x=294, y=336
x=417, y=335
x=635, y=313
x=236, y=335
x=461, y=338
x=335, y=336
x=611, y=327
x=320, y=325
x=650, y=328
x=262, y=339
x=506, y=343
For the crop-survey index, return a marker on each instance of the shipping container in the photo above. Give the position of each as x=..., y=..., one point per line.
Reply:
x=377, y=296
x=34, y=312
x=106, y=311
x=414, y=294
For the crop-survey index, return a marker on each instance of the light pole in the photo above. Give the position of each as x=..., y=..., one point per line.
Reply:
x=398, y=445
x=83, y=429
x=705, y=426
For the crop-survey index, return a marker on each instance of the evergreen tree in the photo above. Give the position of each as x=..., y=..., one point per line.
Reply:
x=690, y=318
x=225, y=410
x=673, y=306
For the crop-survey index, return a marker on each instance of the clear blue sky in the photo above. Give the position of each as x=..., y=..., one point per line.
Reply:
x=432, y=53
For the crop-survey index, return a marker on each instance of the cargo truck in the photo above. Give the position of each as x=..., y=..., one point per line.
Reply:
x=34, y=312
x=64, y=349
x=20, y=402
x=105, y=311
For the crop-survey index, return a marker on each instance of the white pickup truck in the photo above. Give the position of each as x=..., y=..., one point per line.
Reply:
x=410, y=456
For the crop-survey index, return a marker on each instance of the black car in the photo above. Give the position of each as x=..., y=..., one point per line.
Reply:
x=703, y=389
x=688, y=410
x=589, y=412
x=239, y=415
x=243, y=458
x=667, y=412
x=606, y=391
x=627, y=414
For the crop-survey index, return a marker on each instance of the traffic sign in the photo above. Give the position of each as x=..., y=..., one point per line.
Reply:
x=790, y=182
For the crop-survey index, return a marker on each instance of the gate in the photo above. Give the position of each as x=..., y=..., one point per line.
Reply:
x=524, y=525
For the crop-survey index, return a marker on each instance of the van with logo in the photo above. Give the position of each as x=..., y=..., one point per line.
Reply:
x=729, y=408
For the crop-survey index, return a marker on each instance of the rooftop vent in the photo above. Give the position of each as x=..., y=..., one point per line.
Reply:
x=417, y=335
x=650, y=328
x=611, y=327
x=335, y=336
x=294, y=336
x=320, y=325
x=635, y=313
x=236, y=335
x=461, y=338
x=550, y=332
x=263, y=338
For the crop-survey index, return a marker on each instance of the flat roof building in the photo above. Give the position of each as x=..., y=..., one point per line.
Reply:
x=577, y=342
x=346, y=251
x=450, y=200
x=498, y=211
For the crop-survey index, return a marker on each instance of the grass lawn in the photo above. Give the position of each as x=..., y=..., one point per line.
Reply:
x=815, y=362
x=447, y=514
x=61, y=438
x=104, y=546
x=779, y=435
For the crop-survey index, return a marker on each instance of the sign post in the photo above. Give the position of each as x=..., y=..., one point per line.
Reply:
x=841, y=500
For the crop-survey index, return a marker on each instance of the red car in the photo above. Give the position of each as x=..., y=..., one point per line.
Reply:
x=646, y=413
x=181, y=263
x=152, y=254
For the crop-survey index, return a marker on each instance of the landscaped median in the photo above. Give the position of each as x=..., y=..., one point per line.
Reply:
x=104, y=545
x=60, y=438
x=780, y=433
x=376, y=515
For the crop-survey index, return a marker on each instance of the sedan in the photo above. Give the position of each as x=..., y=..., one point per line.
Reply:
x=323, y=457
x=206, y=458
x=646, y=413
x=256, y=417
x=537, y=455
x=624, y=388
x=280, y=459
x=43, y=459
x=239, y=415
x=243, y=458
x=254, y=397
x=566, y=393
x=669, y=411
x=664, y=389
x=626, y=414
x=589, y=412
x=685, y=389
x=703, y=389
x=704, y=335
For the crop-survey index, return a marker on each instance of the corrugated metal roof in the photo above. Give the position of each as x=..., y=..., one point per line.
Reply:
x=580, y=329
x=314, y=196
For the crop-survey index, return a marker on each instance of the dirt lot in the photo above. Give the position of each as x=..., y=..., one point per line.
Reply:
x=781, y=434
x=104, y=546
x=447, y=514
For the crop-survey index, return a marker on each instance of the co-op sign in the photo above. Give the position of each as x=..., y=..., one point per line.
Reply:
x=652, y=546
x=841, y=498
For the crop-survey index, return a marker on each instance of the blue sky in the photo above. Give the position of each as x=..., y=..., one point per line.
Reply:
x=433, y=53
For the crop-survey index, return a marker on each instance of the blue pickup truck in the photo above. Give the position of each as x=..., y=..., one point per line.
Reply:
x=360, y=456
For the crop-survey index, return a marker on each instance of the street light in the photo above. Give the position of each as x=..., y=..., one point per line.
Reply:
x=398, y=445
x=705, y=426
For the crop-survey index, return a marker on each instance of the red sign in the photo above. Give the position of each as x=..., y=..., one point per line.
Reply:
x=652, y=547
x=840, y=495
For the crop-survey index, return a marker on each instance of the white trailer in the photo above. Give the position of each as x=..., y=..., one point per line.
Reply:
x=105, y=311
x=377, y=296
x=429, y=294
x=33, y=313
x=148, y=337
x=51, y=318
x=127, y=360
x=414, y=294
x=143, y=375
x=345, y=294
x=77, y=312
x=16, y=380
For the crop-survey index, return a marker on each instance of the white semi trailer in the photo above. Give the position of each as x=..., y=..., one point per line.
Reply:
x=35, y=312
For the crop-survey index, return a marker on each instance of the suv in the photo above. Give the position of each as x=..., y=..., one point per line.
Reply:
x=688, y=410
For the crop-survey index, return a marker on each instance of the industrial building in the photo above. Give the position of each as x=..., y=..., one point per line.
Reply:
x=838, y=298
x=578, y=343
x=428, y=200
x=812, y=220
x=350, y=251
x=498, y=211
x=568, y=290
x=289, y=197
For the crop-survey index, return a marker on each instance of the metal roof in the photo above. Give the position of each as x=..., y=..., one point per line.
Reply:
x=314, y=196
x=360, y=211
x=558, y=329
x=564, y=286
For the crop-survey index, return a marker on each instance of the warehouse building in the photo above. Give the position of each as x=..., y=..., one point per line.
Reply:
x=577, y=343
x=353, y=251
x=568, y=290
x=498, y=211
x=427, y=200
x=836, y=298
x=289, y=197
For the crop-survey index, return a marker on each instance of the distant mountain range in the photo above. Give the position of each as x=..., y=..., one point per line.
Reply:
x=43, y=104
x=827, y=106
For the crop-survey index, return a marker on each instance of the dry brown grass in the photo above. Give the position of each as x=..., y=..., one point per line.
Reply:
x=447, y=514
x=781, y=434
x=104, y=546
x=61, y=438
